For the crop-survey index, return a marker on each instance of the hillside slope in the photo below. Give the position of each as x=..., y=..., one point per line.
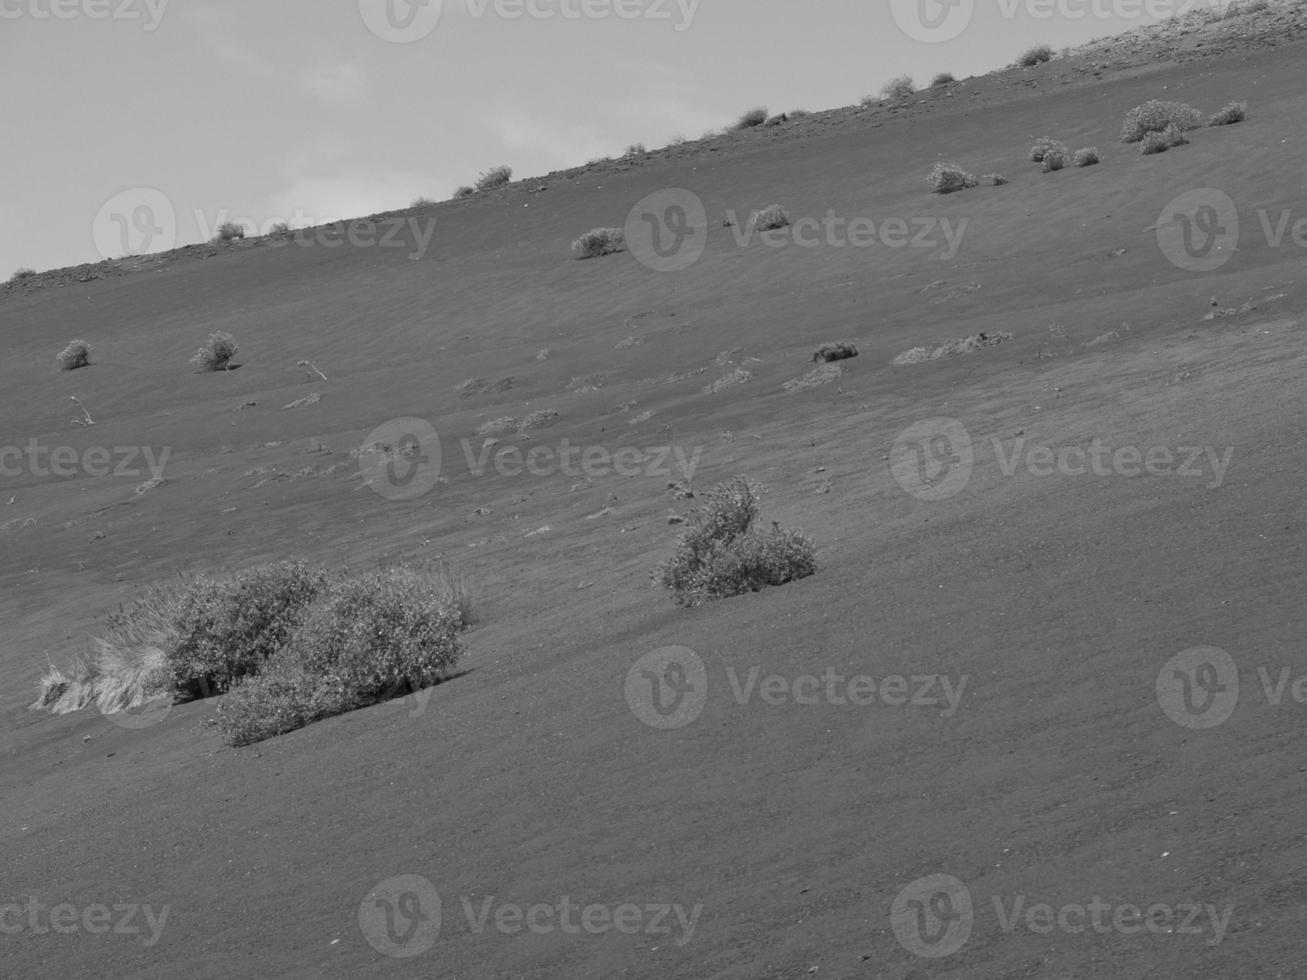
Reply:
x=1050, y=603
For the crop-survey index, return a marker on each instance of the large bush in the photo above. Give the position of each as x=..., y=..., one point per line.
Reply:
x=1155, y=116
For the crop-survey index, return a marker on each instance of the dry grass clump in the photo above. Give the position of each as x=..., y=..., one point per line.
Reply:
x=229, y=231
x=1156, y=116
x=76, y=355
x=216, y=354
x=1235, y=112
x=21, y=273
x=598, y=242
x=1161, y=142
x=1035, y=56
x=899, y=89
x=464, y=192
x=771, y=217
x=737, y=377
x=721, y=552
x=839, y=351
x=1046, y=144
x=949, y=177
x=494, y=177
x=823, y=374
x=943, y=78
x=752, y=119
x=964, y=345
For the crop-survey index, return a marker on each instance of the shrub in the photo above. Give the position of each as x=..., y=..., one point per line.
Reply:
x=422, y=201
x=636, y=150
x=1163, y=141
x=1087, y=157
x=943, y=78
x=1035, y=56
x=599, y=241
x=871, y=100
x=1235, y=112
x=367, y=639
x=721, y=553
x=223, y=630
x=898, y=89
x=772, y=217
x=752, y=119
x=1056, y=158
x=1043, y=145
x=229, y=231
x=494, y=177
x=949, y=177
x=777, y=120
x=216, y=354
x=994, y=180
x=463, y=192
x=22, y=273
x=76, y=355
x=280, y=228
x=841, y=351
x=1155, y=116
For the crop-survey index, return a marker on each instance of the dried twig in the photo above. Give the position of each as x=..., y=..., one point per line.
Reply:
x=87, y=420
x=312, y=367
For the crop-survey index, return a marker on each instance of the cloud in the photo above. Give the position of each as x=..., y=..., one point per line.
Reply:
x=329, y=80
x=342, y=85
x=311, y=201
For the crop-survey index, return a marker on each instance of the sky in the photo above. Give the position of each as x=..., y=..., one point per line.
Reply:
x=135, y=125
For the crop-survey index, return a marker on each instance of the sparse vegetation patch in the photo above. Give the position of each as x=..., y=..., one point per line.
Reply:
x=1087, y=157
x=752, y=119
x=494, y=177
x=1235, y=112
x=722, y=552
x=216, y=354
x=1035, y=56
x=946, y=178
x=598, y=242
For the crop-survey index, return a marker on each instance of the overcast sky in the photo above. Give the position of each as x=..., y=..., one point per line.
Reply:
x=310, y=110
